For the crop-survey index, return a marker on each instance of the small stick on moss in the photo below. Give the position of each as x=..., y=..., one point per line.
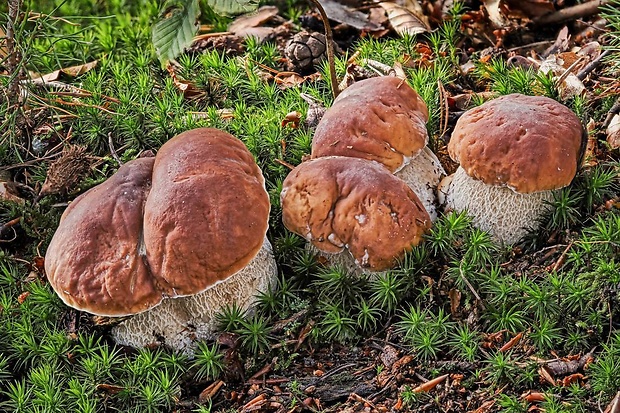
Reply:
x=10, y=225
x=592, y=65
x=284, y=163
x=113, y=151
x=330, y=48
x=13, y=54
x=571, y=13
x=429, y=385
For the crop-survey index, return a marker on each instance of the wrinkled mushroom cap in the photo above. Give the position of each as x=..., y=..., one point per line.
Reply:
x=167, y=226
x=381, y=119
x=527, y=143
x=337, y=202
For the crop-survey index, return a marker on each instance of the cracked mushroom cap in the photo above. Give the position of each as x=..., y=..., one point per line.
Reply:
x=381, y=119
x=168, y=226
x=527, y=143
x=337, y=202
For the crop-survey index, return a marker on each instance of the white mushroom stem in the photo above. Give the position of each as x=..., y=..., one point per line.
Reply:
x=422, y=174
x=507, y=215
x=179, y=322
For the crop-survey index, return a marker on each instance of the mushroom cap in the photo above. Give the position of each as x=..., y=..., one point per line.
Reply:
x=207, y=213
x=381, y=119
x=93, y=261
x=527, y=143
x=337, y=202
x=167, y=226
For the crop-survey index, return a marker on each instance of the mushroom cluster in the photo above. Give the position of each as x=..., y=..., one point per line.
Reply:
x=349, y=200
x=168, y=241
x=383, y=119
x=514, y=153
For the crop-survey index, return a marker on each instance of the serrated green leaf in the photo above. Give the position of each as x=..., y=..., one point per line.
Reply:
x=229, y=7
x=176, y=31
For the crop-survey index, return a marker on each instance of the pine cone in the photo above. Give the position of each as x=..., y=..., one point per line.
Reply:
x=67, y=171
x=305, y=50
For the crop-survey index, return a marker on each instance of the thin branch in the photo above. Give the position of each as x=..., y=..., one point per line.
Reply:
x=14, y=56
x=329, y=39
x=571, y=13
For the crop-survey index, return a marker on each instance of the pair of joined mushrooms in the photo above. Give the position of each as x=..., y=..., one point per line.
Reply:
x=167, y=240
x=368, y=193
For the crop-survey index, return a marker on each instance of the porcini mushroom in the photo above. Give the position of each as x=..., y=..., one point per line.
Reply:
x=167, y=240
x=514, y=152
x=383, y=119
x=353, y=206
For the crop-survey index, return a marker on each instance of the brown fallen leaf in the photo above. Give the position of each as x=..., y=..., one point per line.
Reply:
x=340, y=13
x=613, y=132
x=484, y=407
x=497, y=17
x=511, y=343
x=614, y=405
x=241, y=24
x=532, y=396
x=403, y=20
x=455, y=301
x=72, y=71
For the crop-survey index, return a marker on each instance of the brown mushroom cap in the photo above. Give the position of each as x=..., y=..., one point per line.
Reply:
x=527, y=143
x=160, y=227
x=381, y=119
x=337, y=202
x=207, y=214
x=93, y=261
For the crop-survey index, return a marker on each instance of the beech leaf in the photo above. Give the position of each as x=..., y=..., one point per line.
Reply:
x=176, y=31
x=404, y=20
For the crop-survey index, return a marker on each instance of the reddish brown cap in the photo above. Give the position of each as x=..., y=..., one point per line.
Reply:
x=93, y=261
x=528, y=143
x=337, y=202
x=208, y=213
x=381, y=119
x=166, y=226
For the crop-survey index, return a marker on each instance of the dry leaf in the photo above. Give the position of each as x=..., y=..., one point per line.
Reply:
x=3, y=52
x=8, y=192
x=292, y=119
x=343, y=14
x=532, y=397
x=404, y=20
x=455, y=300
x=496, y=16
x=614, y=405
x=613, y=132
x=72, y=71
x=246, y=21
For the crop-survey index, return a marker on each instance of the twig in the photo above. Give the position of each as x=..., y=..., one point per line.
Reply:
x=615, y=109
x=329, y=39
x=337, y=370
x=429, y=385
x=9, y=224
x=592, y=65
x=13, y=54
x=284, y=163
x=471, y=287
x=571, y=13
x=113, y=151
x=562, y=258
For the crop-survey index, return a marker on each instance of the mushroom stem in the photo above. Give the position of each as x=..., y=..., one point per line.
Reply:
x=507, y=215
